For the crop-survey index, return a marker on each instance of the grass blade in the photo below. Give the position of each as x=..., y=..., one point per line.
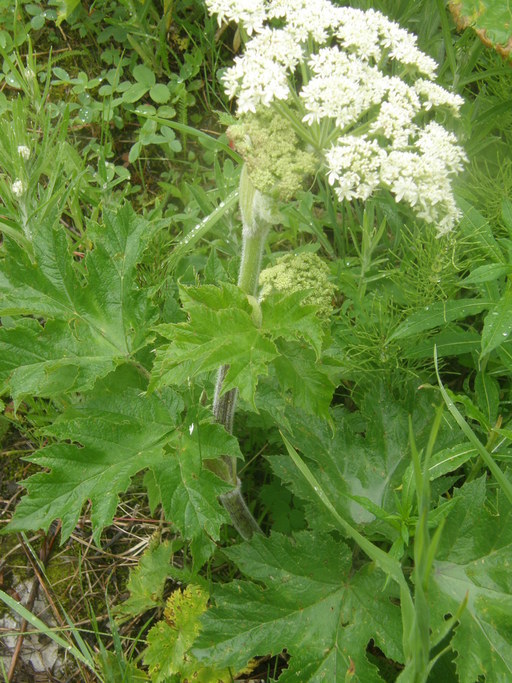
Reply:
x=496, y=471
x=43, y=628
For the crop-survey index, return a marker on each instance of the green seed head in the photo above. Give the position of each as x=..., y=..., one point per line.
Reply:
x=276, y=162
x=300, y=272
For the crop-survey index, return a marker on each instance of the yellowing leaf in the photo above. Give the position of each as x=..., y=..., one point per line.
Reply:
x=169, y=641
x=146, y=582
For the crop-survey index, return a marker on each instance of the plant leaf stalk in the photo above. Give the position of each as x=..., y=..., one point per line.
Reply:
x=256, y=210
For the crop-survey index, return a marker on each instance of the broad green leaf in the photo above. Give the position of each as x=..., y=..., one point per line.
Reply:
x=473, y=560
x=487, y=273
x=134, y=152
x=65, y=8
x=497, y=324
x=365, y=459
x=147, y=580
x=226, y=327
x=220, y=331
x=287, y=317
x=106, y=439
x=96, y=316
x=51, y=360
x=450, y=459
x=160, y=93
x=135, y=92
x=308, y=382
x=188, y=491
x=143, y=74
x=312, y=603
x=451, y=341
x=383, y=560
x=439, y=314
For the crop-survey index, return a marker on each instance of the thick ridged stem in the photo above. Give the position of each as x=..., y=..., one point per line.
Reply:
x=241, y=516
x=255, y=231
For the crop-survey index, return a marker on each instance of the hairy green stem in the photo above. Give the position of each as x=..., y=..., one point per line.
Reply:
x=241, y=516
x=255, y=230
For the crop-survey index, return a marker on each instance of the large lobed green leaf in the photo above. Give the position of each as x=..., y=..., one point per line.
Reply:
x=188, y=492
x=473, y=561
x=94, y=316
x=359, y=459
x=115, y=431
x=105, y=439
x=308, y=600
x=49, y=360
x=226, y=327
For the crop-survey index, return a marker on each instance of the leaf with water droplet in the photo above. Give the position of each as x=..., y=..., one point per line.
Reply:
x=497, y=325
x=439, y=314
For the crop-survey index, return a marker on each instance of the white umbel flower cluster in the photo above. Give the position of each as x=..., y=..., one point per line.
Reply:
x=18, y=188
x=24, y=152
x=250, y=13
x=363, y=79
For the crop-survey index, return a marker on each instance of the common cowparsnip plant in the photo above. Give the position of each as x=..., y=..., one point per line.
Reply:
x=335, y=91
x=388, y=544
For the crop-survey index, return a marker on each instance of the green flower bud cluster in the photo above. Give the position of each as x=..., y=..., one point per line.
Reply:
x=300, y=272
x=273, y=154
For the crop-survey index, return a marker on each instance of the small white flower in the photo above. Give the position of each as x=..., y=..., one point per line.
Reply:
x=354, y=165
x=402, y=48
x=251, y=13
x=396, y=114
x=435, y=96
x=306, y=18
x=359, y=33
x=261, y=75
x=335, y=91
x=24, y=152
x=18, y=188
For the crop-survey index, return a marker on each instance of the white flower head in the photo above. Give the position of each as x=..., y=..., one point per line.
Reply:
x=306, y=18
x=334, y=72
x=434, y=95
x=354, y=166
x=250, y=13
x=24, y=152
x=18, y=188
x=272, y=55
